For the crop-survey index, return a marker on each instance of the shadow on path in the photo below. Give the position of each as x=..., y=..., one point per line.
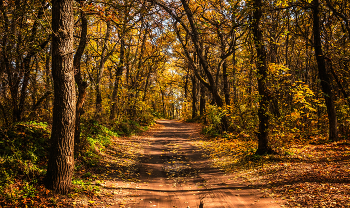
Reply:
x=173, y=173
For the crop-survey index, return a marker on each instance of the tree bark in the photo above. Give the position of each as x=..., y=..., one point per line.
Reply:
x=322, y=73
x=263, y=141
x=61, y=160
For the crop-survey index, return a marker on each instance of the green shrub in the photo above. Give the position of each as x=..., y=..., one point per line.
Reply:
x=23, y=155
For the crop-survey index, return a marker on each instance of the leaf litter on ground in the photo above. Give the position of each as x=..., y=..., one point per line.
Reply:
x=311, y=175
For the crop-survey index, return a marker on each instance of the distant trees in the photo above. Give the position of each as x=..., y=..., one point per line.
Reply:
x=269, y=60
x=22, y=39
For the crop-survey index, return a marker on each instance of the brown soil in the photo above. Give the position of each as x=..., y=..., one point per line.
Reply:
x=173, y=173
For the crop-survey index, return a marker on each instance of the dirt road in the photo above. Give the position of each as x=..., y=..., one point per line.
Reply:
x=173, y=174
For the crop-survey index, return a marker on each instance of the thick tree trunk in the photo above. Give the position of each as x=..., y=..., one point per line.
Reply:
x=61, y=160
x=263, y=141
x=322, y=73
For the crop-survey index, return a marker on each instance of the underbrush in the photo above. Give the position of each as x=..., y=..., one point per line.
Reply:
x=130, y=127
x=24, y=149
x=100, y=139
x=107, y=156
x=23, y=160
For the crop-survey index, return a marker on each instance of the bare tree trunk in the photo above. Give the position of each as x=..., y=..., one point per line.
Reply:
x=263, y=141
x=322, y=73
x=61, y=160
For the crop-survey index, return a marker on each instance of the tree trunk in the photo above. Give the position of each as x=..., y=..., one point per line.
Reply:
x=234, y=99
x=226, y=86
x=98, y=102
x=82, y=85
x=202, y=101
x=194, y=97
x=263, y=141
x=322, y=73
x=118, y=75
x=147, y=83
x=61, y=160
x=163, y=103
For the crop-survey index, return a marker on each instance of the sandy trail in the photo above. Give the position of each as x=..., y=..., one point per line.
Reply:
x=173, y=174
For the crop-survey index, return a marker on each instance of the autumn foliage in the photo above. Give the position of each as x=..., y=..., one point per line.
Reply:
x=268, y=75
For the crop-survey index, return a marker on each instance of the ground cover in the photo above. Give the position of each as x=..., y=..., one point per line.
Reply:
x=316, y=174
x=172, y=157
x=24, y=150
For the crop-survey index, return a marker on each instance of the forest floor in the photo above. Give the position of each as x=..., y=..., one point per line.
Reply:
x=173, y=165
x=170, y=172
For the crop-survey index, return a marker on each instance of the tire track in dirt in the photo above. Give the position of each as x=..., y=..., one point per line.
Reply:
x=173, y=174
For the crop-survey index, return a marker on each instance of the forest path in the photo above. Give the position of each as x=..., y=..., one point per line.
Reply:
x=173, y=173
